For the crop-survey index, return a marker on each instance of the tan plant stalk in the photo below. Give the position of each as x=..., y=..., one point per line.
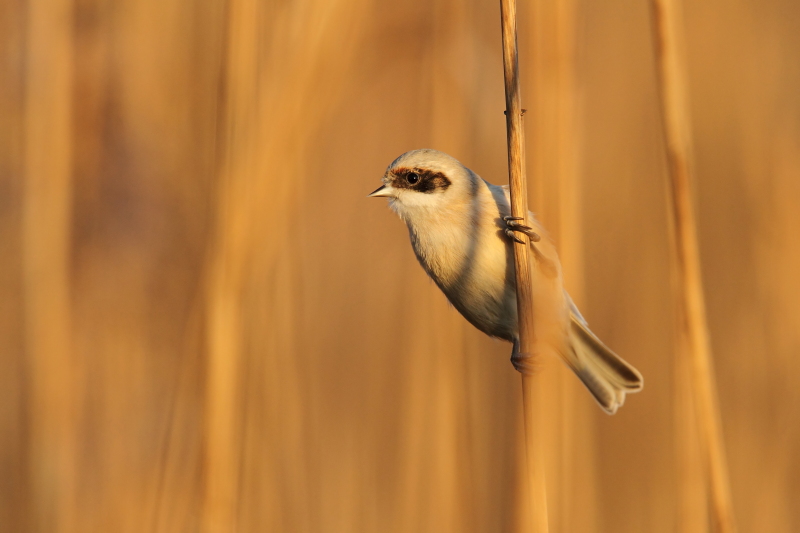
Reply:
x=689, y=286
x=553, y=141
x=51, y=430
x=519, y=208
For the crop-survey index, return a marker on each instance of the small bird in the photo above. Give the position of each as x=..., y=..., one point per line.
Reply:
x=462, y=233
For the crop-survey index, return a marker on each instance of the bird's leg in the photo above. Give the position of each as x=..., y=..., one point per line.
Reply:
x=513, y=224
x=523, y=362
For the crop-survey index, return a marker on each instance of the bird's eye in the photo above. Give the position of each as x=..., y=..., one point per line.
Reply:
x=412, y=178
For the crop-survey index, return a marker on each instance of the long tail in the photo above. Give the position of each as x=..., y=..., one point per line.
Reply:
x=607, y=376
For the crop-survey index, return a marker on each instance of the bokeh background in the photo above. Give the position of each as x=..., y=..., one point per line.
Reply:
x=206, y=326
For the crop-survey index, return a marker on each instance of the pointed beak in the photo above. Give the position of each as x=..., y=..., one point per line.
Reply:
x=383, y=190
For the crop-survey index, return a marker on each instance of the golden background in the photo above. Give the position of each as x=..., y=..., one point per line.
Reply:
x=206, y=326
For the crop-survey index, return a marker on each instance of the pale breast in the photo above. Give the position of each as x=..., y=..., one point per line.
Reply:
x=467, y=256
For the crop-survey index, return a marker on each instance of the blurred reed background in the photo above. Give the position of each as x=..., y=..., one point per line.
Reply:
x=206, y=326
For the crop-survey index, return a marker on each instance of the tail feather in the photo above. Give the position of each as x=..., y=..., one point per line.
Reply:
x=607, y=376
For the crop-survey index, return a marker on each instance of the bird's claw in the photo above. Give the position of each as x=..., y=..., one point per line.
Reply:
x=524, y=363
x=512, y=225
x=510, y=234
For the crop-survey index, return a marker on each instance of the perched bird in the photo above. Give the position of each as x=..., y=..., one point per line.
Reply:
x=462, y=230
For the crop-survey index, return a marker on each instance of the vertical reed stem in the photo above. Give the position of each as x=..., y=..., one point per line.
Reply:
x=225, y=282
x=517, y=184
x=689, y=288
x=46, y=238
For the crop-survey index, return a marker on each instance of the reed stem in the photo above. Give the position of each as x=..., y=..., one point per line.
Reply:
x=689, y=286
x=52, y=370
x=519, y=208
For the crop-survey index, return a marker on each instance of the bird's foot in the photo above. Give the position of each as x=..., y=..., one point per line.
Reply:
x=513, y=224
x=523, y=362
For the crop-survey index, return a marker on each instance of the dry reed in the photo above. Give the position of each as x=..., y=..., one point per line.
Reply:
x=519, y=208
x=46, y=237
x=554, y=149
x=692, y=328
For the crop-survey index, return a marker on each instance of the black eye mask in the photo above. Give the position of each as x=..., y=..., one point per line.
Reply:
x=420, y=180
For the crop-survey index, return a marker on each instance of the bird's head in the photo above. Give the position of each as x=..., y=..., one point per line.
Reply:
x=426, y=182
